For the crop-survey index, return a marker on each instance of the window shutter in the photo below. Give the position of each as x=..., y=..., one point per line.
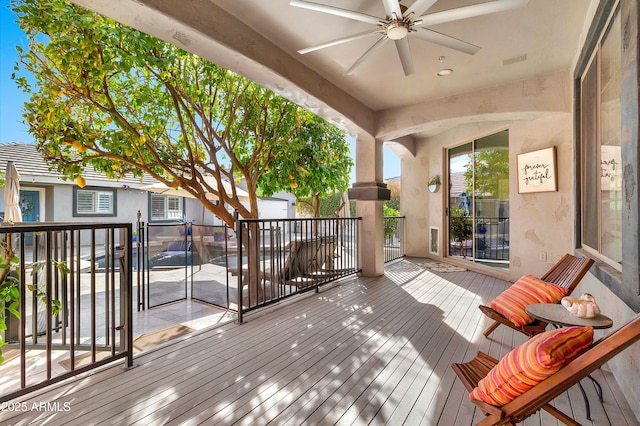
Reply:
x=85, y=202
x=157, y=207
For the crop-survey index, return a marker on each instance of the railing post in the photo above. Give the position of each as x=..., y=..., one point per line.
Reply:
x=236, y=218
x=140, y=261
x=126, y=268
x=22, y=334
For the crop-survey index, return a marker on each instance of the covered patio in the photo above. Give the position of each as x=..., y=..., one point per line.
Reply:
x=377, y=348
x=364, y=350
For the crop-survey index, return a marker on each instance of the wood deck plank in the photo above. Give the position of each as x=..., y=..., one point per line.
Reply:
x=378, y=391
x=362, y=351
x=391, y=380
x=430, y=358
x=428, y=405
x=308, y=377
x=347, y=314
x=468, y=328
x=613, y=398
x=330, y=385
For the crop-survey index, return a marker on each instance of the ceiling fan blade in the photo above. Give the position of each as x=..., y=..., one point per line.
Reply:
x=338, y=41
x=420, y=6
x=404, y=51
x=471, y=11
x=391, y=7
x=336, y=11
x=446, y=41
x=361, y=59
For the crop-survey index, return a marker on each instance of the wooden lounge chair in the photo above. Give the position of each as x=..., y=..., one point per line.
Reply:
x=304, y=264
x=300, y=262
x=539, y=396
x=567, y=273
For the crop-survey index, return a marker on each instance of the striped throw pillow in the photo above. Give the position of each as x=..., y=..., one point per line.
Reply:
x=528, y=290
x=531, y=363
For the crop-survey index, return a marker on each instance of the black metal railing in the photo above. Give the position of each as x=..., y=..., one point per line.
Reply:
x=393, y=238
x=480, y=239
x=279, y=258
x=74, y=302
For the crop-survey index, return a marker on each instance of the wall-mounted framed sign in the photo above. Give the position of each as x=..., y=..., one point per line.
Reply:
x=537, y=171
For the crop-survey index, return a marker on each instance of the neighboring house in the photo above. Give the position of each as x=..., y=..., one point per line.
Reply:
x=46, y=197
x=457, y=192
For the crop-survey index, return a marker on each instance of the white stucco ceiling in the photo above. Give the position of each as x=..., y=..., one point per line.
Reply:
x=260, y=39
x=546, y=31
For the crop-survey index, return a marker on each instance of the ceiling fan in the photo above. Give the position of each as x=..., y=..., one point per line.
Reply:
x=401, y=21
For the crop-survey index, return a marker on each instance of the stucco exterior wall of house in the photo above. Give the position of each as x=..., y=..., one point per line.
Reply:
x=539, y=223
x=624, y=366
x=49, y=203
x=128, y=204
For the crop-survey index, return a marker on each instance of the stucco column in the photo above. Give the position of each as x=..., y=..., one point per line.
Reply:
x=370, y=192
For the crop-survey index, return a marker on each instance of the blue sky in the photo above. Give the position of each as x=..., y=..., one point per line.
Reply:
x=11, y=98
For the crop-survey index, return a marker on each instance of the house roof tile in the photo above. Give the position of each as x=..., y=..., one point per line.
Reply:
x=33, y=169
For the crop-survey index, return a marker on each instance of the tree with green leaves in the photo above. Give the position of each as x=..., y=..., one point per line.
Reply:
x=330, y=206
x=319, y=167
x=123, y=102
x=394, y=201
x=490, y=174
x=391, y=221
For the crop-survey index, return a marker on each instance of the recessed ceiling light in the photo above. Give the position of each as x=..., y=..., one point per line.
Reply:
x=446, y=71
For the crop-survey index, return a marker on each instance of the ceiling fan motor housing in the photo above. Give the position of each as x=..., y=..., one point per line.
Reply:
x=397, y=30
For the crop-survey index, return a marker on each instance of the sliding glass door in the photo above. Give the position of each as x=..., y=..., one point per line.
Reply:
x=478, y=211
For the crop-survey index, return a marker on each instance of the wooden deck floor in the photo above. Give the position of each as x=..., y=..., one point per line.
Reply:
x=363, y=351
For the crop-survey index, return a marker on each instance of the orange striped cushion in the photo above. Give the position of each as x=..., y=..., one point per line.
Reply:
x=526, y=291
x=532, y=362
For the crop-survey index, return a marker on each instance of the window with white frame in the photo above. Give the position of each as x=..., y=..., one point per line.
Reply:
x=166, y=207
x=94, y=202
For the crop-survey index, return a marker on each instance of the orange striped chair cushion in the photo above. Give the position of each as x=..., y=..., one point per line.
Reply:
x=532, y=362
x=526, y=291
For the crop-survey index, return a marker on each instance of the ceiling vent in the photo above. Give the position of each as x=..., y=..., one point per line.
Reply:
x=517, y=59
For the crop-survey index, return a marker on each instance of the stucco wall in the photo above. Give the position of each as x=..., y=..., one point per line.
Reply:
x=625, y=366
x=128, y=204
x=539, y=223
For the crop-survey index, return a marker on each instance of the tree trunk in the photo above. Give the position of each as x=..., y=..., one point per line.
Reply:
x=252, y=278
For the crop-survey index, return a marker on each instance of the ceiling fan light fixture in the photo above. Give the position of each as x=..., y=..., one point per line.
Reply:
x=444, y=72
x=400, y=20
x=397, y=30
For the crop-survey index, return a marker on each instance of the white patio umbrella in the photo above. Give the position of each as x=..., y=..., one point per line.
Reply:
x=12, y=212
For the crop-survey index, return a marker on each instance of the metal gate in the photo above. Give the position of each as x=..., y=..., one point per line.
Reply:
x=167, y=266
x=184, y=261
